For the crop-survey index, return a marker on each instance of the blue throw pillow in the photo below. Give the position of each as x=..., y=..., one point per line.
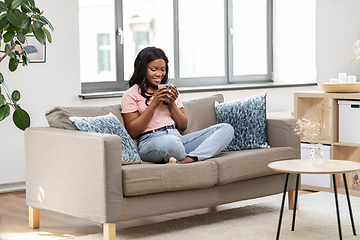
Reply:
x=109, y=124
x=248, y=118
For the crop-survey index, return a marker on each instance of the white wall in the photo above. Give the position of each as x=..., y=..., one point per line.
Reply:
x=56, y=82
x=337, y=28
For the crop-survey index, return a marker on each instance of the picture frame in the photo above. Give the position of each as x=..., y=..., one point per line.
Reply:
x=35, y=50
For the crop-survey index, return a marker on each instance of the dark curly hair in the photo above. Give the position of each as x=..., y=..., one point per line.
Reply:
x=144, y=57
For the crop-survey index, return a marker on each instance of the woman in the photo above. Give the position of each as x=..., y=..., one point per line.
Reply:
x=155, y=115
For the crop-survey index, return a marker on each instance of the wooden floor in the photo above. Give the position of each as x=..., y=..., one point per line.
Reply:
x=14, y=219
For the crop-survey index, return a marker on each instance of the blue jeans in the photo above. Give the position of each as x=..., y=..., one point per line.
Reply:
x=159, y=146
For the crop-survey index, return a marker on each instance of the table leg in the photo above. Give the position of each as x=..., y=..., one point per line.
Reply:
x=337, y=206
x=296, y=198
x=282, y=206
x=349, y=204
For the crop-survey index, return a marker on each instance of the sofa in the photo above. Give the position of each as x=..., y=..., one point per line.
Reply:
x=81, y=173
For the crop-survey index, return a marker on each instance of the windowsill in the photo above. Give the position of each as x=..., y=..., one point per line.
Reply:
x=229, y=87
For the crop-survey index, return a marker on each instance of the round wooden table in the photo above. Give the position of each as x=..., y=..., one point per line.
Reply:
x=299, y=166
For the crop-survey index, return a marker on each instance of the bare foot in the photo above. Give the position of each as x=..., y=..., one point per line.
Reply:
x=173, y=160
x=188, y=160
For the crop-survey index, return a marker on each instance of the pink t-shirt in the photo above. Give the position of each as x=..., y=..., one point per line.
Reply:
x=132, y=101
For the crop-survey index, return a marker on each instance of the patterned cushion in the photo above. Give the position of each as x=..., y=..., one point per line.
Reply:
x=109, y=124
x=248, y=118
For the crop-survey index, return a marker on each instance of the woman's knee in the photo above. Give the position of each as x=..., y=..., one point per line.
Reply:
x=164, y=147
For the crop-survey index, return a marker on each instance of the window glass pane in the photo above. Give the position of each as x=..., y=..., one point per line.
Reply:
x=97, y=40
x=104, y=52
x=250, y=37
x=147, y=23
x=201, y=38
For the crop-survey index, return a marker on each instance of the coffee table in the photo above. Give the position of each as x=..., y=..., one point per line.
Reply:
x=299, y=166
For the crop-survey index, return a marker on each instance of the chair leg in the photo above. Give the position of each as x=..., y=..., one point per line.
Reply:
x=34, y=217
x=109, y=230
x=291, y=198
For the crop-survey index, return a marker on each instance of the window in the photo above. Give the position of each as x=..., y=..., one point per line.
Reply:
x=210, y=43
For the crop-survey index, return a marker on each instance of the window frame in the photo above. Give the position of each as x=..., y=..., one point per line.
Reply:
x=121, y=84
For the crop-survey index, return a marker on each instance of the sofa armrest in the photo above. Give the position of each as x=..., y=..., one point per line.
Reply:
x=74, y=172
x=281, y=134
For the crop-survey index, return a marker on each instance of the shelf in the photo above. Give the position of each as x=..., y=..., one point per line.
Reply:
x=326, y=142
x=344, y=144
x=304, y=103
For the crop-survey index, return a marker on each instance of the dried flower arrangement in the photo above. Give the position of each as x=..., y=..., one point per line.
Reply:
x=308, y=129
x=355, y=58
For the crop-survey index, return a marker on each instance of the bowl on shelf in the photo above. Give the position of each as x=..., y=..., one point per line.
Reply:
x=339, y=88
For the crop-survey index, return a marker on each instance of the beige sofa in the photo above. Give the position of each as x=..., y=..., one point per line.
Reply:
x=80, y=173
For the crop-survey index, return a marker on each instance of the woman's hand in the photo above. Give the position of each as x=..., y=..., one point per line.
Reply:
x=164, y=94
x=169, y=95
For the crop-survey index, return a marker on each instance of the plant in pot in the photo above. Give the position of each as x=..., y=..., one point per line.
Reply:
x=17, y=19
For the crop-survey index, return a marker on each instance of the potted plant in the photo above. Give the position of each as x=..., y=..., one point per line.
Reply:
x=17, y=19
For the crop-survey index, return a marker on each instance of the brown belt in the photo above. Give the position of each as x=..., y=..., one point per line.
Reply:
x=157, y=130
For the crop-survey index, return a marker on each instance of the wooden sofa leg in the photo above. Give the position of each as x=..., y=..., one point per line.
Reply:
x=34, y=217
x=291, y=198
x=109, y=230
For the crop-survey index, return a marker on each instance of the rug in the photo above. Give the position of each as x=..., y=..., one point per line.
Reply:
x=315, y=219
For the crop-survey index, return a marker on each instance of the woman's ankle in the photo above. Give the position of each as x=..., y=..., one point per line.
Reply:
x=188, y=160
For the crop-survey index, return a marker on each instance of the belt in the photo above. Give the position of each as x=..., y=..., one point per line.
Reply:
x=157, y=130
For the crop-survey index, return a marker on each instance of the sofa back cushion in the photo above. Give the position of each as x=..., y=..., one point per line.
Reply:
x=58, y=117
x=201, y=112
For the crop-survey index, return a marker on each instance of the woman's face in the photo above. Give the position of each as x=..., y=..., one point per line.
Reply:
x=156, y=71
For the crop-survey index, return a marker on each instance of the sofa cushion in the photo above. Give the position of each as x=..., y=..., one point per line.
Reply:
x=58, y=117
x=147, y=178
x=239, y=165
x=248, y=118
x=109, y=124
x=201, y=112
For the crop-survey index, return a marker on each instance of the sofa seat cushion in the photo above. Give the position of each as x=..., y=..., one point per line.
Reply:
x=147, y=178
x=246, y=164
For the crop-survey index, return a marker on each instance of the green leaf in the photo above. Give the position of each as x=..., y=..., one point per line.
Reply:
x=37, y=25
x=48, y=35
x=26, y=22
x=3, y=21
x=13, y=64
x=21, y=37
x=31, y=2
x=15, y=95
x=1, y=78
x=3, y=7
x=15, y=18
x=16, y=3
x=4, y=111
x=46, y=21
x=8, y=3
x=12, y=55
x=36, y=10
x=9, y=36
x=25, y=60
x=2, y=99
x=7, y=47
x=21, y=119
x=40, y=36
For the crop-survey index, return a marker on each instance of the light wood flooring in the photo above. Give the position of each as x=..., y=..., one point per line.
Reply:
x=14, y=219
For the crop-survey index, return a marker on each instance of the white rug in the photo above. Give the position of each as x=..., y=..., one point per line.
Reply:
x=315, y=219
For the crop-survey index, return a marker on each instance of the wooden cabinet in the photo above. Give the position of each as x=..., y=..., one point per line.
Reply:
x=304, y=105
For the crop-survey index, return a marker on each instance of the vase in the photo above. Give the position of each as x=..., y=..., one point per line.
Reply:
x=322, y=133
x=316, y=155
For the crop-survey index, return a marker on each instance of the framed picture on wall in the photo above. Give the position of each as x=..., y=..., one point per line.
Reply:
x=36, y=51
